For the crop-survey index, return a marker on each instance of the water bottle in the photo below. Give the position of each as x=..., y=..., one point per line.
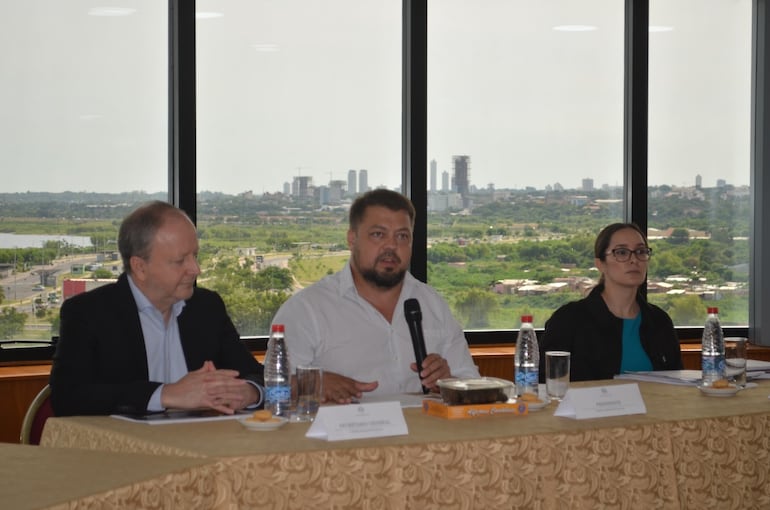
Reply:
x=277, y=375
x=712, y=349
x=526, y=361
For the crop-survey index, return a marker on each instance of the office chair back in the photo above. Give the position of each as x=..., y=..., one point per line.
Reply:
x=38, y=412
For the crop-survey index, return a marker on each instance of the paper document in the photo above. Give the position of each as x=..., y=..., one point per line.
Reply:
x=404, y=399
x=680, y=377
x=180, y=416
x=755, y=365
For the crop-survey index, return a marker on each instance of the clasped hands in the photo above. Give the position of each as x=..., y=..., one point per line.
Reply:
x=343, y=390
x=209, y=387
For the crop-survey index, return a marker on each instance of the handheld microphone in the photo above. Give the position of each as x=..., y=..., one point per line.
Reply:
x=413, y=316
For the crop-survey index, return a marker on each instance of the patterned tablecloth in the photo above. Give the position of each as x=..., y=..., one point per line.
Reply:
x=57, y=479
x=687, y=451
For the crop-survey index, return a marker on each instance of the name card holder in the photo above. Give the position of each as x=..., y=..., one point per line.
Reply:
x=358, y=421
x=601, y=401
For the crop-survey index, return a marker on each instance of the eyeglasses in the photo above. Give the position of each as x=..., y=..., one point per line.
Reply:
x=624, y=254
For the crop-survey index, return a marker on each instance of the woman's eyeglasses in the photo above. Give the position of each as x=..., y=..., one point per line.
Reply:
x=624, y=254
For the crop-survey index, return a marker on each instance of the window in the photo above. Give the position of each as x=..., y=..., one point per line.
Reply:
x=299, y=109
x=699, y=158
x=295, y=99
x=83, y=138
x=525, y=142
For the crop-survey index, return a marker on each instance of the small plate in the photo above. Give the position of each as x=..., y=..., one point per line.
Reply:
x=536, y=406
x=719, y=392
x=272, y=424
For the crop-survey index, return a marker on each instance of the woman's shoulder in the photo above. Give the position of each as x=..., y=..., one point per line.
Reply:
x=657, y=313
x=571, y=309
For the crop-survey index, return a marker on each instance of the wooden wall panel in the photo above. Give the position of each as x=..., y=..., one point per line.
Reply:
x=18, y=387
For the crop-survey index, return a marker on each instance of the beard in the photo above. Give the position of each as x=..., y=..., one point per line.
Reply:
x=382, y=279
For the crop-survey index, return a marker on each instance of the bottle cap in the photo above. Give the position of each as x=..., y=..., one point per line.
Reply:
x=713, y=309
x=277, y=328
x=526, y=318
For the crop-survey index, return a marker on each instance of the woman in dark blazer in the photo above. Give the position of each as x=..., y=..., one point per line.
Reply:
x=614, y=329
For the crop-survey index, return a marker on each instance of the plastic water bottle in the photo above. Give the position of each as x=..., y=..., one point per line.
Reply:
x=277, y=375
x=712, y=349
x=526, y=361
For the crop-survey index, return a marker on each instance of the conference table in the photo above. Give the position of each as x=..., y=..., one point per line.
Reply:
x=58, y=479
x=688, y=450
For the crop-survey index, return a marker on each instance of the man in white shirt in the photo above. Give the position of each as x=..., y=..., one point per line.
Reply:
x=352, y=323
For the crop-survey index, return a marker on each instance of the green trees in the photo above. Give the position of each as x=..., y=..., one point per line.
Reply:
x=687, y=310
x=11, y=323
x=252, y=312
x=103, y=273
x=474, y=306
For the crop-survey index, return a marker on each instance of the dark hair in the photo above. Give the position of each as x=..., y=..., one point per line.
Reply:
x=380, y=197
x=605, y=236
x=139, y=228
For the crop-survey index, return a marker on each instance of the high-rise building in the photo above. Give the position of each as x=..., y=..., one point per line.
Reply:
x=445, y=181
x=461, y=178
x=698, y=181
x=323, y=195
x=302, y=187
x=336, y=190
x=286, y=188
x=433, y=175
x=588, y=184
x=363, y=181
x=352, y=182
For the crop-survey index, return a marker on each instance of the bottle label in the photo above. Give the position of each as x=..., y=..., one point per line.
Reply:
x=278, y=393
x=526, y=378
x=713, y=365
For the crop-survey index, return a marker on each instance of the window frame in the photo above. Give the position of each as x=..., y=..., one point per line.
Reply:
x=182, y=158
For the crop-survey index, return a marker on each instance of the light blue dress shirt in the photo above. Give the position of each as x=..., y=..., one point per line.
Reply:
x=165, y=357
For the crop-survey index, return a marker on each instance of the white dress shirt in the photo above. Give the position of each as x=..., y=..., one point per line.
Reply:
x=330, y=325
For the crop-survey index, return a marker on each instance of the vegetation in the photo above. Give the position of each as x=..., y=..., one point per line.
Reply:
x=256, y=251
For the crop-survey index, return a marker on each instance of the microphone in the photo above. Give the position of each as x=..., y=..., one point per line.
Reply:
x=413, y=316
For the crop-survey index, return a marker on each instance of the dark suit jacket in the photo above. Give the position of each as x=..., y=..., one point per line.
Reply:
x=594, y=336
x=100, y=365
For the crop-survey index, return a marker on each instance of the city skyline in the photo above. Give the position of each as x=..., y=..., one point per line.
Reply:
x=532, y=92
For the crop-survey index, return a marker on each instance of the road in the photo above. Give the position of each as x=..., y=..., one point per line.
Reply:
x=19, y=287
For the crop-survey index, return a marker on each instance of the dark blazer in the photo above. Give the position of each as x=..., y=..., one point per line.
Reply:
x=100, y=365
x=594, y=336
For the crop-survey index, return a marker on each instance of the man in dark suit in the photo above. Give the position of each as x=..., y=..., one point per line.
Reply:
x=152, y=340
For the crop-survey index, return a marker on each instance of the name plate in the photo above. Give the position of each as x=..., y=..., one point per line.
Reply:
x=358, y=421
x=601, y=401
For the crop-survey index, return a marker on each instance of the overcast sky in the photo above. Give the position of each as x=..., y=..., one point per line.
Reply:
x=531, y=90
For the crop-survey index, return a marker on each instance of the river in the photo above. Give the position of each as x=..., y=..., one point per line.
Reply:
x=37, y=240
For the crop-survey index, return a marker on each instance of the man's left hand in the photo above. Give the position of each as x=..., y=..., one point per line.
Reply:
x=434, y=367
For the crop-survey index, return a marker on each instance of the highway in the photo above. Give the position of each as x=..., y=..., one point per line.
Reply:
x=19, y=288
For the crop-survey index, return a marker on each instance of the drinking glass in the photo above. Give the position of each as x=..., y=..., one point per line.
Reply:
x=735, y=361
x=309, y=392
x=556, y=373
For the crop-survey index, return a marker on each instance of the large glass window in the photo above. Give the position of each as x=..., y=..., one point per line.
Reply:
x=699, y=205
x=83, y=139
x=525, y=149
x=299, y=109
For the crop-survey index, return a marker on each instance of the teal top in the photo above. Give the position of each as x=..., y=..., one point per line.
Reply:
x=634, y=358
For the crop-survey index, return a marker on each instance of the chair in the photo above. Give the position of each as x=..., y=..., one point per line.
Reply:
x=38, y=412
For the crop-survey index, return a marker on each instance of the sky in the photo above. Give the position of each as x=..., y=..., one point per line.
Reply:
x=531, y=90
